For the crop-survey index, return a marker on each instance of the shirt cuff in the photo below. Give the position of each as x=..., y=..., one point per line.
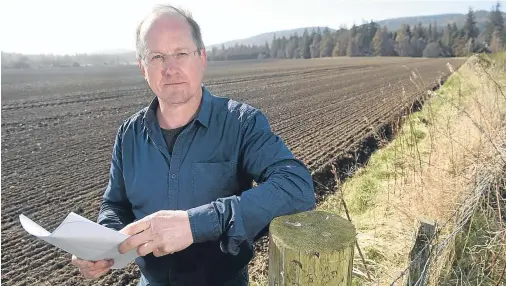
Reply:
x=204, y=223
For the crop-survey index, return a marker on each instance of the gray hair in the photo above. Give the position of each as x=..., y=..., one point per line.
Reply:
x=158, y=10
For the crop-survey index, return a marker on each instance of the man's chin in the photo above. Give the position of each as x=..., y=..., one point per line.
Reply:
x=175, y=98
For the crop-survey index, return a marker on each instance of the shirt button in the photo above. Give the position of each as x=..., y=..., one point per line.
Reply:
x=173, y=176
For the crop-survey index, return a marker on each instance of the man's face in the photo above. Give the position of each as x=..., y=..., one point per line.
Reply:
x=172, y=65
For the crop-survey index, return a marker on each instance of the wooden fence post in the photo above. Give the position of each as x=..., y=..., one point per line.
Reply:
x=311, y=248
x=420, y=253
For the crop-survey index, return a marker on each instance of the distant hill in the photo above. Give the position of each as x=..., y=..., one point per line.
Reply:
x=392, y=25
x=262, y=38
x=442, y=20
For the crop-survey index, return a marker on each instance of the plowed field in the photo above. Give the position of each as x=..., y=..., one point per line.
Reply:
x=58, y=127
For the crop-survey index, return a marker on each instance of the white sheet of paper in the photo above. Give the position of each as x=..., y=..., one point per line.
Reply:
x=83, y=238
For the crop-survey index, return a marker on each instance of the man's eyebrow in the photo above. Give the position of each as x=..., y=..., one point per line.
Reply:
x=180, y=49
x=176, y=50
x=152, y=52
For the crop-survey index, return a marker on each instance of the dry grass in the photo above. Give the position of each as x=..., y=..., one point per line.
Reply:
x=428, y=170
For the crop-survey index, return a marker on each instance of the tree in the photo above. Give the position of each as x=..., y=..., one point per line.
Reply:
x=496, y=43
x=352, y=47
x=435, y=34
x=418, y=31
x=430, y=34
x=342, y=40
x=495, y=23
x=496, y=18
x=447, y=41
x=433, y=50
x=470, y=45
x=305, y=51
x=352, y=50
x=291, y=47
x=378, y=43
x=389, y=45
x=315, y=46
x=418, y=46
x=266, y=50
x=382, y=44
x=274, y=47
x=403, y=44
x=470, y=30
x=460, y=47
x=282, y=47
x=327, y=44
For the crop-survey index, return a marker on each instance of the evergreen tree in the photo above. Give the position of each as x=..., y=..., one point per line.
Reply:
x=315, y=46
x=418, y=46
x=435, y=33
x=266, y=50
x=389, y=46
x=496, y=43
x=352, y=50
x=291, y=47
x=274, y=47
x=494, y=23
x=447, y=41
x=305, y=49
x=418, y=31
x=497, y=19
x=327, y=44
x=367, y=40
x=282, y=48
x=470, y=29
x=429, y=33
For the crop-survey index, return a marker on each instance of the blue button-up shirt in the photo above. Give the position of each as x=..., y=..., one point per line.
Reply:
x=215, y=159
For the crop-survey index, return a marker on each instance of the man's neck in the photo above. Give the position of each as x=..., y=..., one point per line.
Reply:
x=172, y=116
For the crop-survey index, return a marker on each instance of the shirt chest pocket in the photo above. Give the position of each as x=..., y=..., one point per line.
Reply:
x=213, y=180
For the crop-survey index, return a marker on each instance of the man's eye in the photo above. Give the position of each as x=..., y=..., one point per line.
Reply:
x=156, y=57
x=182, y=54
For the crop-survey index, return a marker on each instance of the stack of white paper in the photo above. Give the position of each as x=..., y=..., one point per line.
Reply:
x=84, y=239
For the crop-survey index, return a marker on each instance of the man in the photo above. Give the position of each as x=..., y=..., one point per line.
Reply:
x=182, y=169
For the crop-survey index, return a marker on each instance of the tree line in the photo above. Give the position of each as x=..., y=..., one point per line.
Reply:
x=372, y=40
x=20, y=61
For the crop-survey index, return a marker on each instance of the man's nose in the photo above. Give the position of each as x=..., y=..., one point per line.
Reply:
x=170, y=66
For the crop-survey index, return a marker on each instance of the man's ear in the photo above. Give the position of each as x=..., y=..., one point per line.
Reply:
x=203, y=58
x=141, y=67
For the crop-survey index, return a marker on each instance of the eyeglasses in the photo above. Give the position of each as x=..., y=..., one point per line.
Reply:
x=158, y=59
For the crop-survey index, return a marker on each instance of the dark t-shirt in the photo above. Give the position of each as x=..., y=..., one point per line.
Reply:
x=170, y=136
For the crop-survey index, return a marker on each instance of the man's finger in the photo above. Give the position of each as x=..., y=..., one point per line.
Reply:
x=160, y=249
x=81, y=263
x=101, y=264
x=146, y=248
x=94, y=274
x=136, y=227
x=158, y=252
x=134, y=241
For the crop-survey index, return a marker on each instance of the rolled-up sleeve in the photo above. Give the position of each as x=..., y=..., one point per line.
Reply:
x=115, y=209
x=284, y=187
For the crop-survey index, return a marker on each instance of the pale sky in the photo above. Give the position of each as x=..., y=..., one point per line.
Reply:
x=60, y=27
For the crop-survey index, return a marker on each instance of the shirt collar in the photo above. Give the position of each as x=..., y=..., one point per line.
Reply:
x=203, y=115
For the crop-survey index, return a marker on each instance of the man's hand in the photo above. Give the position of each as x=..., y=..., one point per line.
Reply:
x=92, y=269
x=161, y=233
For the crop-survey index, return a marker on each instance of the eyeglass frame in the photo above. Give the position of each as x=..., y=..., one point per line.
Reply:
x=187, y=55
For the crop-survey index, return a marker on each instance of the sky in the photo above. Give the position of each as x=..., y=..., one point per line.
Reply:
x=68, y=27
